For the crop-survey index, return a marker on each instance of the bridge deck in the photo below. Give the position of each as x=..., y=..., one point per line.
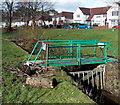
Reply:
x=73, y=61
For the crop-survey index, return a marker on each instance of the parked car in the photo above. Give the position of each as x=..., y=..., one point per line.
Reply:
x=68, y=27
x=84, y=26
x=116, y=26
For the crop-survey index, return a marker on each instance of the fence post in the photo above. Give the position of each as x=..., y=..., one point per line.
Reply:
x=95, y=49
x=47, y=54
x=105, y=51
x=79, y=54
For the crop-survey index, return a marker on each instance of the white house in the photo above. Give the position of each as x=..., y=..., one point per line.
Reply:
x=81, y=15
x=113, y=15
x=43, y=20
x=62, y=18
x=91, y=15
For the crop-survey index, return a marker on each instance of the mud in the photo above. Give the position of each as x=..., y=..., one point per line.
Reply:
x=112, y=78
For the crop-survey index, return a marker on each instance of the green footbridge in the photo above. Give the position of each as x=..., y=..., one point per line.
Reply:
x=70, y=52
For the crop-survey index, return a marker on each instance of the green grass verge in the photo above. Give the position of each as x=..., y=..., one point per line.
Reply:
x=12, y=54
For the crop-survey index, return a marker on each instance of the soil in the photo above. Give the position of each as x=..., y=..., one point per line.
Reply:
x=112, y=76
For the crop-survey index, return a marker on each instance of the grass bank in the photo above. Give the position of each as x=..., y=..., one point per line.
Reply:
x=16, y=91
x=68, y=34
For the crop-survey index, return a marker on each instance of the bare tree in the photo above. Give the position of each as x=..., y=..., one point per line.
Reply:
x=9, y=6
x=25, y=10
x=34, y=9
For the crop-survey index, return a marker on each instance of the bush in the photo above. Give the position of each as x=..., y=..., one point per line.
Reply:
x=95, y=24
x=74, y=24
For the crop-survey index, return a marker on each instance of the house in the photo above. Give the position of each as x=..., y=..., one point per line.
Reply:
x=91, y=16
x=62, y=18
x=43, y=20
x=113, y=15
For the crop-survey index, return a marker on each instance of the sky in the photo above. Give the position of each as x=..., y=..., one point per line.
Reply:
x=72, y=5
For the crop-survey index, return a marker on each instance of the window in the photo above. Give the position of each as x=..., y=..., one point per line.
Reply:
x=59, y=18
x=113, y=20
x=114, y=13
x=98, y=16
x=104, y=15
x=78, y=15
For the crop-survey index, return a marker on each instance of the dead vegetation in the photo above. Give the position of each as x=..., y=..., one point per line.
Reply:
x=37, y=76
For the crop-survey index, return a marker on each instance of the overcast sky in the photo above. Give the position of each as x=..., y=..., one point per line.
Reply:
x=72, y=5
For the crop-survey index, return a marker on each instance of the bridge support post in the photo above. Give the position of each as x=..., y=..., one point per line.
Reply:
x=97, y=79
x=92, y=78
x=88, y=78
x=104, y=75
x=101, y=80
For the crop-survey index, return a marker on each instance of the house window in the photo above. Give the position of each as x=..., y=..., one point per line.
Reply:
x=114, y=13
x=98, y=16
x=59, y=18
x=78, y=15
x=104, y=15
x=113, y=20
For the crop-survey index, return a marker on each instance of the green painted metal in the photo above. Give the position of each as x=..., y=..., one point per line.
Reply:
x=70, y=52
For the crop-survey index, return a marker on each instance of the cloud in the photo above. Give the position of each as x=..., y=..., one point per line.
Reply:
x=98, y=3
x=70, y=5
x=67, y=6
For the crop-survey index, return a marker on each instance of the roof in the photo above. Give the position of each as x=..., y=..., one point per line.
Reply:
x=94, y=11
x=45, y=17
x=68, y=15
x=85, y=11
x=99, y=10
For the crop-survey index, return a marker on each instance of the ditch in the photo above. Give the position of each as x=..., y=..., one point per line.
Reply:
x=107, y=95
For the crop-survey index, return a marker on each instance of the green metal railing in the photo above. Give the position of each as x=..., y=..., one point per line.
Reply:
x=70, y=52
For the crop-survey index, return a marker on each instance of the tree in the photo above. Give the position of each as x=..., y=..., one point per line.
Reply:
x=8, y=7
x=33, y=9
x=23, y=11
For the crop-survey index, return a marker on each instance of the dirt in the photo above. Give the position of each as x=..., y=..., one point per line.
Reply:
x=26, y=45
x=112, y=76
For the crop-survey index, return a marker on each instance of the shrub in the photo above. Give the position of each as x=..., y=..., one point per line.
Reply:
x=95, y=24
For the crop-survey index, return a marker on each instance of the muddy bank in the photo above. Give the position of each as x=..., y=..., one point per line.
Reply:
x=26, y=45
x=112, y=76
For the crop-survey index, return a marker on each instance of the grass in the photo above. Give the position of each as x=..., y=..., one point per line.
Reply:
x=12, y=54
x=83, y=34
x=68, y=34
x=16, y=91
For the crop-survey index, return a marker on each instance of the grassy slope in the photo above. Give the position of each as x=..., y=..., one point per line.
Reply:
x=12, y=54
x=68, y=34
x=83, y=34
x=14, y=91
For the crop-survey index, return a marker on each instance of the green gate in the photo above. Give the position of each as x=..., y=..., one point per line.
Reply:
x=70, y=52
